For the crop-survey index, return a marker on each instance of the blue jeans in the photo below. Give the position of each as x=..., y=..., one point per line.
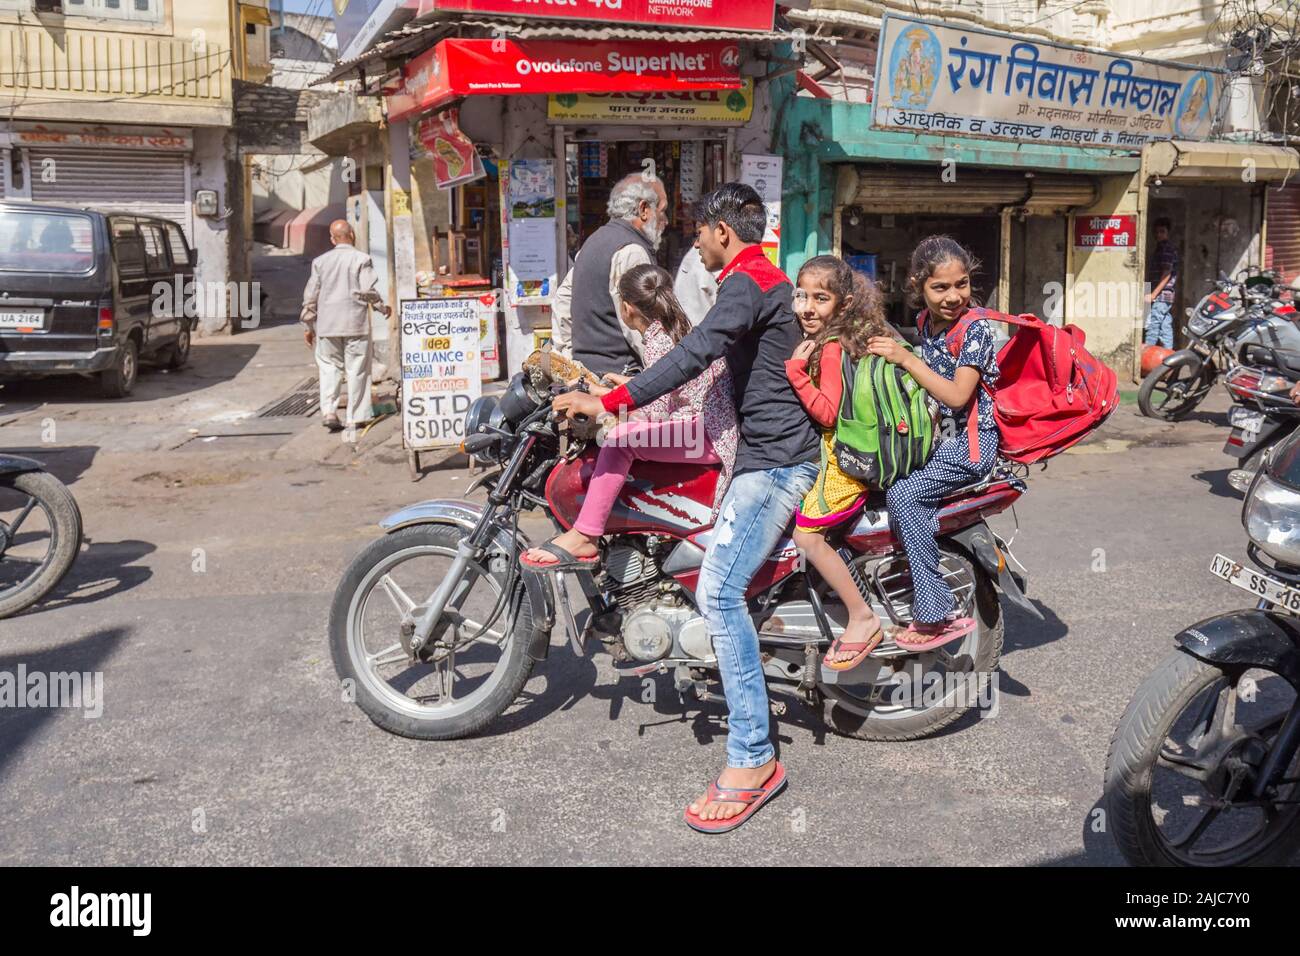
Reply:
x=755, y=514
x=1160, y=324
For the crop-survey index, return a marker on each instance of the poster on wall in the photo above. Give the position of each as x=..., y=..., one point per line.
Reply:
x=1105, y=232
x=530, y=209
x=488, y=348
x=455, y=160
x=932, y=77
x=764, y=174
x=441, y=374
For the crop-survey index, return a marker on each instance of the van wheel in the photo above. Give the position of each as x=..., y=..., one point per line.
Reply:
x=179, y=353
x=118, y=381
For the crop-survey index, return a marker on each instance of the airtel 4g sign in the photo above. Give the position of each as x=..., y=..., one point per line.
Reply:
x=717, y=14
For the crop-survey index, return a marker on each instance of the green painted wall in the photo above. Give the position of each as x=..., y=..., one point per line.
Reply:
x=815, y=135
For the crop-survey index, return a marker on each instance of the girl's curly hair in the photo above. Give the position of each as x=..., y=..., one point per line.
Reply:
x=861, y=312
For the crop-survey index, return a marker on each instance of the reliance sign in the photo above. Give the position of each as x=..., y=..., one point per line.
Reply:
x=456, y=68
x=697, y=14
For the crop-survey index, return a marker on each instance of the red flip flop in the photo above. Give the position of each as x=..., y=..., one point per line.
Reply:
x=753, y=799
x=952, y=631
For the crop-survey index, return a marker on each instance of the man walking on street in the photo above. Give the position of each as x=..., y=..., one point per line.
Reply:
x=335, y=309
x=585, y=321
x=752, y=325
x=1162, y=276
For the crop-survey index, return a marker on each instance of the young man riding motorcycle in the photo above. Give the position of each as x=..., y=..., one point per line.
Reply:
x=753, y=327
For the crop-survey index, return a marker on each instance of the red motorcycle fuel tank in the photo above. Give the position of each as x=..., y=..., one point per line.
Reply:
x=657, y=498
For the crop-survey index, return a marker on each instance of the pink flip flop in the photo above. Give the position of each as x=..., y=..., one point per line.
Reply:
x=753, y=799
x=566, y=561
x=952, y=631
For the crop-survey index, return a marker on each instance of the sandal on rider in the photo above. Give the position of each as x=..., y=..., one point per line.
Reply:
x=567, y=560
x=753, y=798
x=926, y=637
x=859, y=649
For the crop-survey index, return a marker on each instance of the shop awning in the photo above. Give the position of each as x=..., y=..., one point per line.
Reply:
x=456, y=68
x=1187, y=161
x=921, y=190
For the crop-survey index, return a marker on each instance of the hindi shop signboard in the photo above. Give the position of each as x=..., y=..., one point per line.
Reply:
x=1105, y=232
x=932, y=78
x=714, y=14
x=455, y=68
x=694, y=108
x=441, y=376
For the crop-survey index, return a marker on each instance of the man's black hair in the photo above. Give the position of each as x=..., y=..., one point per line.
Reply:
x=1164, y=221
x=739, y=206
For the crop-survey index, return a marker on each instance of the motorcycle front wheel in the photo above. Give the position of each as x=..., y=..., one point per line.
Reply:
x=1182, y=766
x=474, y=665
x=40, y=535
x=1170, y=392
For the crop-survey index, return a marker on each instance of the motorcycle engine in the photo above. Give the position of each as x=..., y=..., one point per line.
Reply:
x=655, y=624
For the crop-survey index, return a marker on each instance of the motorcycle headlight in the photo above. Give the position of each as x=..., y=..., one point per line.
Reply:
x=1271, y=516
x=1201, y=325
x=484, y=411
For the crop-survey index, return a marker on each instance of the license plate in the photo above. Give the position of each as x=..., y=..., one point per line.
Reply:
x=22, y=320
x=1260, y=585
x=1245, y=419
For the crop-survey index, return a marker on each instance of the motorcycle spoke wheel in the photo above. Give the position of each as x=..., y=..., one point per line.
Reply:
x=460, y=664
x=28, y=540
x=1200, y=797
x=1173, y=393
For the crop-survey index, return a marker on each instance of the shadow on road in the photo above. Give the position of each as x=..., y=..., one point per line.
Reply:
x=65, y=462
x=103, y=570
x=84, y=656
x=1217, y=482
x=210, y=364
x=1024, y=631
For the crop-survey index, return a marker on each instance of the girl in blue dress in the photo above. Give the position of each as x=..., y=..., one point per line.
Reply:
x=939, y=280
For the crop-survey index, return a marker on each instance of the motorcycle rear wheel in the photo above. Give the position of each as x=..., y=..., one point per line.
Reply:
x=381, y=680
x=1138, y=807
x=978, y=654
x=1170, y=395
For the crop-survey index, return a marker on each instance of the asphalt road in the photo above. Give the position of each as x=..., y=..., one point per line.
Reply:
x=224, y=738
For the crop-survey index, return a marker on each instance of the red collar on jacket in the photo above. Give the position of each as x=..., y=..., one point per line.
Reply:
x=753, y=262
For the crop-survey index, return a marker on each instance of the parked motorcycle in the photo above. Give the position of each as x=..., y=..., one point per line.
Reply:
x=1202, y=770
x=435, y=627
x=1263, y=413
x=40, y=533
x=1231, y=316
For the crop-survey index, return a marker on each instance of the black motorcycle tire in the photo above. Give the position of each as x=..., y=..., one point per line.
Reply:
x=1131, y=759
x=64, y=519
x=988, y=614
x=1167, y=413
x=517, y=662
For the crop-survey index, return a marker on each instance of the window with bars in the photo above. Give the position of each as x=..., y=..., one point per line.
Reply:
x=114, y=9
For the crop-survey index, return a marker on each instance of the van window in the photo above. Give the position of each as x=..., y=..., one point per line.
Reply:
x=128, y=249
x=42, y=241
x=176, y=239
x=155, y=249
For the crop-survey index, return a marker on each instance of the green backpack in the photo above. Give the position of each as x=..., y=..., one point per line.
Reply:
x=884, y=431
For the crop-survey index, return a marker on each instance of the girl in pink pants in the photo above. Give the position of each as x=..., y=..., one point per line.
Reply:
x=694, y=425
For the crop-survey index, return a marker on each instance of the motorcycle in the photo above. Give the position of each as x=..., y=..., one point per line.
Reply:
x=435, y=627
x=40, y=533
x=1263, y=412
x=1232, y=315
x=1202, y=769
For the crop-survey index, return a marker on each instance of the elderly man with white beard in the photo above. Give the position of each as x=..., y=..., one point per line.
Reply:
x=586, y=324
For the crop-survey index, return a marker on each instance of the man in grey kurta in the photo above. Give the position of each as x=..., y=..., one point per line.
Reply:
x=336, y=310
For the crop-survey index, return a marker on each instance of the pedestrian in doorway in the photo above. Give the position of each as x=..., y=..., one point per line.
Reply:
x=335, y=310
x=1162, y=277
x=586, y=324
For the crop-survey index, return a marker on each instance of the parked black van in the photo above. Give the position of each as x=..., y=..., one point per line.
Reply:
x=77, y=293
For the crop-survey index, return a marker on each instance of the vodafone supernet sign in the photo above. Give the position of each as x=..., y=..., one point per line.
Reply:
x=617, y=62
x=726, y=14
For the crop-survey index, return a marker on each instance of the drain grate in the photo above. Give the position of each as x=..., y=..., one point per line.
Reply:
x=303, y=399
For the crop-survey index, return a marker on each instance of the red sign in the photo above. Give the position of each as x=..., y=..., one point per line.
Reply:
x=716, y=14
x=1105, y=232
x=456, y=68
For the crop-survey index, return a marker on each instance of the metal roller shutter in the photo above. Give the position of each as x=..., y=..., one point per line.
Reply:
x=1282, y=232
x=148, y=184
x=974, y=192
